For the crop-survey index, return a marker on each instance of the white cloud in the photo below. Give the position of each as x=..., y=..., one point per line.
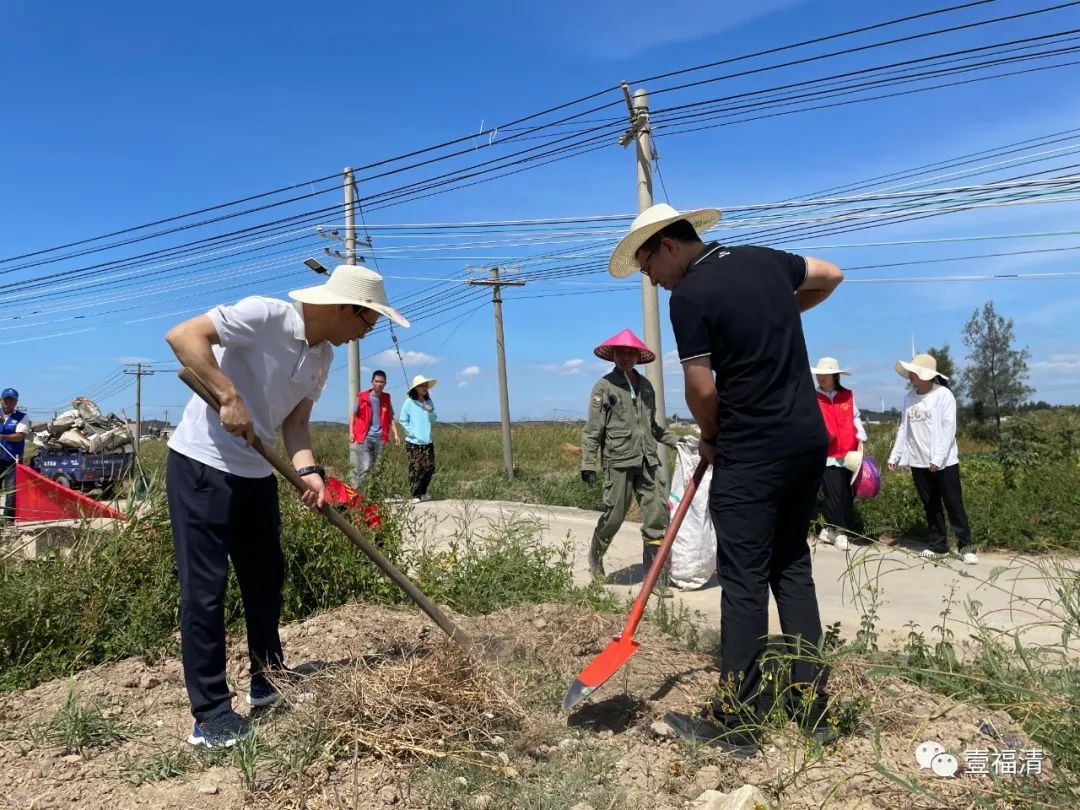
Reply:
x=411, y=358
x=572, y=366
x=1060, y=361
x=467, y=374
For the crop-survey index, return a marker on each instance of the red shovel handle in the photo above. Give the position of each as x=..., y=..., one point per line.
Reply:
x=638, y=609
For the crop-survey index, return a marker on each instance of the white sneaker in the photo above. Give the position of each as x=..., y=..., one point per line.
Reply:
x=971, y=558
x=928, y=554
x=414, y=500
x=842, y=542
x=827, y=535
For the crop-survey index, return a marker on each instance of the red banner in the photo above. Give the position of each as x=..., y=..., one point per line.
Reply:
x=38, y=498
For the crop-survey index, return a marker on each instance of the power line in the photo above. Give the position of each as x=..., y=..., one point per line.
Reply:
x=494, y=130
x=814, y=41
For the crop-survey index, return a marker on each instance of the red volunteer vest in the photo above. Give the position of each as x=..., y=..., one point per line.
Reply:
x=839, y=416
x=361, y=421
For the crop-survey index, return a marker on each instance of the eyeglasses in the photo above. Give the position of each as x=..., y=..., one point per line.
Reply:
x=358, y=312
x=644, y=266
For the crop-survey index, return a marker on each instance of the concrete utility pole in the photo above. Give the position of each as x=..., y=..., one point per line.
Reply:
x=353, y=349
x=138, y=372
x=504, y=397
x=650, y=301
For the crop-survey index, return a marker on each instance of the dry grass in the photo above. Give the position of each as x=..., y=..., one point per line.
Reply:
x=407, y=703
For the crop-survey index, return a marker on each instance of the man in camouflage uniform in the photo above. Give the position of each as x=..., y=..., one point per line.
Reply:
x=622, y=427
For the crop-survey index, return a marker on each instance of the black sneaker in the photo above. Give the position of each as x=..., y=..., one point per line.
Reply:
x=816, y=722
x=696, y=729
x=221, y=731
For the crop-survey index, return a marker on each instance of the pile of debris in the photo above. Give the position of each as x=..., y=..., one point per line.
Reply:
x=85, y=428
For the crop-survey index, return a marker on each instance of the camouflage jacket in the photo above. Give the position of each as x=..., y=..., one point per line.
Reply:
x=622, y=427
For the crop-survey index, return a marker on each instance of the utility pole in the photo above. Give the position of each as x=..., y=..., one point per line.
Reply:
x=353, y=349
x=500, y=346
x=138, y=372
x=650, y=301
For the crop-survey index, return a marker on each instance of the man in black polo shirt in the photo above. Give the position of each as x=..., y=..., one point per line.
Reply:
x=736, y=315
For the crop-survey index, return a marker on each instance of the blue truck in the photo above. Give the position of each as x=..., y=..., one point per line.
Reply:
x=78, y=469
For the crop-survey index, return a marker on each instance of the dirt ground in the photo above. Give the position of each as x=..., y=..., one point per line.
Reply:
x=451, y=751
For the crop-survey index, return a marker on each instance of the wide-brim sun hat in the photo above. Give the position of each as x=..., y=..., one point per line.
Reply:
x=352, y=284
x=420, y=379
x=853, y=460
x=828, y=365
x=924, y=366
x=648, y=223
x=624, y=340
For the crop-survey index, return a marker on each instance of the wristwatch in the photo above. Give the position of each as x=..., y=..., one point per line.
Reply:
x=314, y=468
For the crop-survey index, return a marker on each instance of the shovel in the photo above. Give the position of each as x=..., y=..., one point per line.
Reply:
x=619, y=649
x=192, y=380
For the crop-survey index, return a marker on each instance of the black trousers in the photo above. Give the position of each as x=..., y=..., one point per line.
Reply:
x=934, y=488
x=7, y=488
x=762, y=513
x=421, y=467
x=839, y=499
x=216, y=517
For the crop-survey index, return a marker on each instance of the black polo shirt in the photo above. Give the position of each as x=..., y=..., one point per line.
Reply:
x=736, y=306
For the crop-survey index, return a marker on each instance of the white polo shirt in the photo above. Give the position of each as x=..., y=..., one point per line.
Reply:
x=265, y=353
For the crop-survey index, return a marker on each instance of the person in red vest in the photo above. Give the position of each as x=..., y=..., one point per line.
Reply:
x=370, y=434
x=846, y=437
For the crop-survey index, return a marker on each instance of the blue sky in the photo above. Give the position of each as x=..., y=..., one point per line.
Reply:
x=122, y=114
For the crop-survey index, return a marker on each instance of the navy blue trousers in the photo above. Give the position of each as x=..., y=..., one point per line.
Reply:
x=216, y=517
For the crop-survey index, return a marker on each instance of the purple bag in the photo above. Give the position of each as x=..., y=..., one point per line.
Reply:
x=867, y=482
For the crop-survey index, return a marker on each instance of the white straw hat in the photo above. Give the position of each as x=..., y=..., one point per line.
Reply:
x=420, y=379
x=853, y=460
x=351, y=284
x=645, y=225
x=828, y=365
x=924, y=366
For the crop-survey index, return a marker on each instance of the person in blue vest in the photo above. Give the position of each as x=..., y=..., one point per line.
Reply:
x=14, y=428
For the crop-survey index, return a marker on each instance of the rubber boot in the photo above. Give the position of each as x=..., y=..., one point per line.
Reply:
x=596, y=558
x=663, y=582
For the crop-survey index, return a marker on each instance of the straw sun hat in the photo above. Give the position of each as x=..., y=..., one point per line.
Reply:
x=351, y=284
x=648, y=223
x=924, y=366
x=828, y=365
x=420, y=379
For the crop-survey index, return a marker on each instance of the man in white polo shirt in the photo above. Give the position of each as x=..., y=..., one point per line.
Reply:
x=266, y=361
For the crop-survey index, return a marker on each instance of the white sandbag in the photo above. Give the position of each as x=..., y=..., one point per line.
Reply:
x=66, y=420
x=86, y=408
x=693, y=554
x=75, y=440
x=109, y=440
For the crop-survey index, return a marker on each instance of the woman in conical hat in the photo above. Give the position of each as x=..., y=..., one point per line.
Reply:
x=622, y=429
x=845, y=454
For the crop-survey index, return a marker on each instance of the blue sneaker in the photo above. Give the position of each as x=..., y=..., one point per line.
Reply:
x=262, y=693
x=221, y=731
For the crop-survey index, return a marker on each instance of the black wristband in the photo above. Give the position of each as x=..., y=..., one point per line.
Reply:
x=314, y=468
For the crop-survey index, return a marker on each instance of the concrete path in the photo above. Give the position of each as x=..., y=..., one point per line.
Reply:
x=1005, y=592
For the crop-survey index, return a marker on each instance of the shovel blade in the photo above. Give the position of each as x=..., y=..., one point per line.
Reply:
x=606, y=664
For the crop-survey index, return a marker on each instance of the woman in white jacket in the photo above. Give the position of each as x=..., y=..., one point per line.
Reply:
x=926, y=442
